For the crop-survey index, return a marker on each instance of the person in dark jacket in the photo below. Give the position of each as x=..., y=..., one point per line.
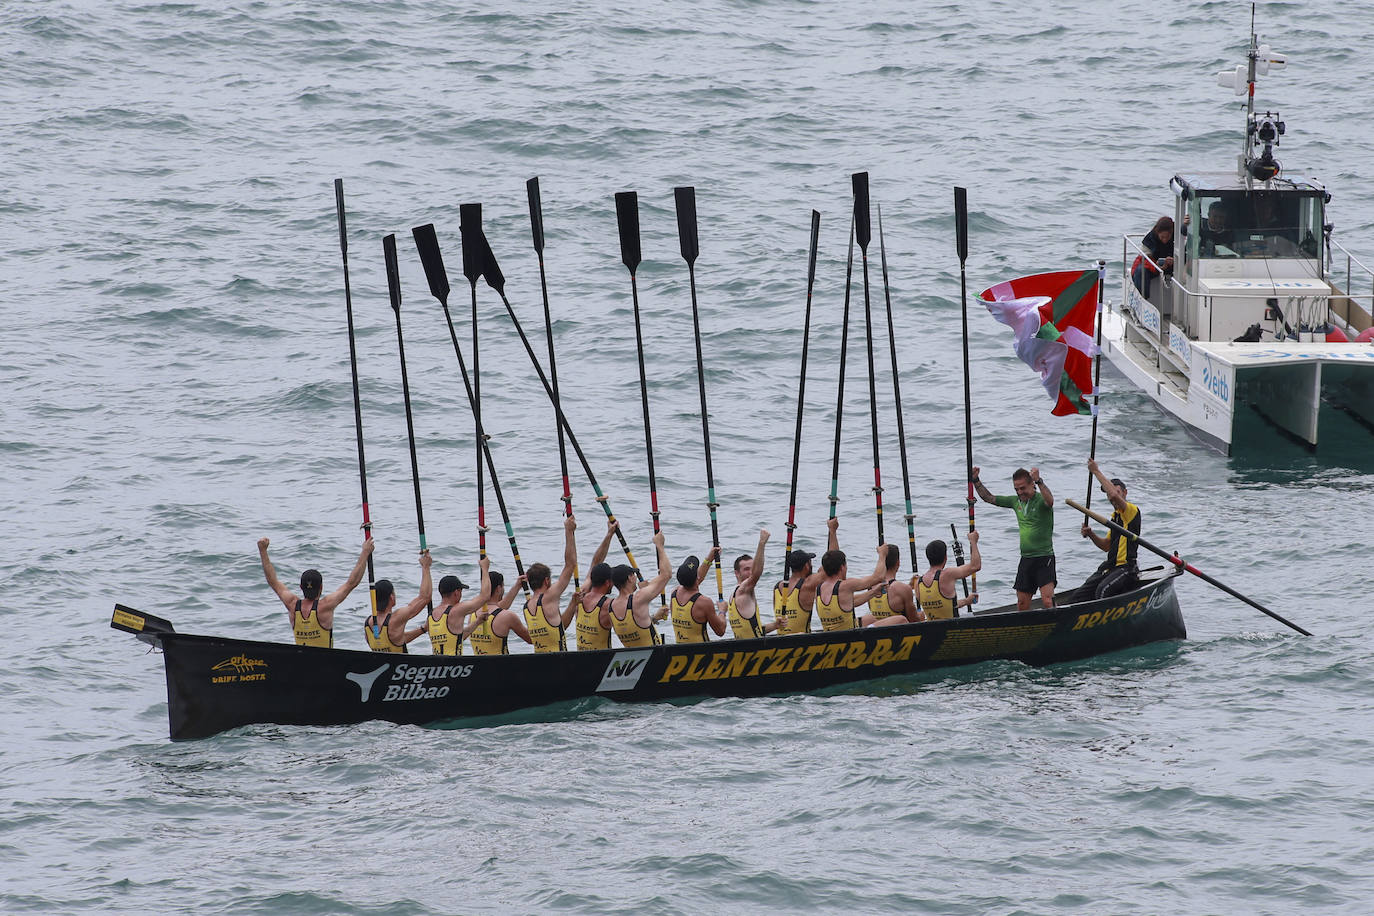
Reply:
x=1158, y=245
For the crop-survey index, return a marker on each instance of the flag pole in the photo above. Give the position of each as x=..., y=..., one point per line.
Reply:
x=961, y=238
x=1097, y=376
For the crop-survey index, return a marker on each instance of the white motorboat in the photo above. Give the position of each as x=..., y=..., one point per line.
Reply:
x=1264, y=323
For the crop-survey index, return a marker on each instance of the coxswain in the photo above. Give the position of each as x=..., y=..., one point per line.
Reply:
x=936, y=590
x=741, y=609
x=690, y=611
x=890, y=602
x=788, y=617
x=493, y=623
x=313, y=625
x=548, y=628
x=446, y=622
x=597, y=592
x=386, y=629
x=628, y=613
x=1119, y=572
x=835, y=592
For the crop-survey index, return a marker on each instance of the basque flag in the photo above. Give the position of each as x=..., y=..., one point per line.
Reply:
x=1052, y=316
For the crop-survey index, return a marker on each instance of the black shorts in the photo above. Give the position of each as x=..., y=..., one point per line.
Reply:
x=1034, y=572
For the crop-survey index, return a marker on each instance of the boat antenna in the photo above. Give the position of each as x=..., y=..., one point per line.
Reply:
x=357, y=403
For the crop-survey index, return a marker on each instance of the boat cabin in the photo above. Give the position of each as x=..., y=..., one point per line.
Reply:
x=1248, y=258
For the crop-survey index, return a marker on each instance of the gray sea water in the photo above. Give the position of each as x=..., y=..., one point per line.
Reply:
x=174, y=369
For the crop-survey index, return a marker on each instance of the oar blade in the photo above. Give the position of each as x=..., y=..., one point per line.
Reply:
x=686, y=201
x=627, y=216
x=393, y=274
x=815, y=244
x=339, y=205
x=427, y=244
x=491, y=271
x=470, y=225
x=536, y=213
x=863, y=227
x=961, y=222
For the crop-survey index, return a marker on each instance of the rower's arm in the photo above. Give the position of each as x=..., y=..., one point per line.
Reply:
x=570, y=612
x=467, y=607
x=710, y=556
x=605, y=546
x=512, y=591
x=560, y=585
x=337, y=597
x=975, y=559
x=713, y=616
x=658, y=583
x=832, y=541
x=517, y=626
x=1098, y=540
x=287, y=597
x=747, y=586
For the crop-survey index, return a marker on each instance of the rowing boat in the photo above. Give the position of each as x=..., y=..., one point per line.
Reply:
x=216, y=683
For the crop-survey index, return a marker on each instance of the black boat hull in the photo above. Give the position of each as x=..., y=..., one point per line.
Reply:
x=215, y=684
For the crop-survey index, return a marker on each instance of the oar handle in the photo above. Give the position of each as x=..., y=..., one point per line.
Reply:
x=1180, y=563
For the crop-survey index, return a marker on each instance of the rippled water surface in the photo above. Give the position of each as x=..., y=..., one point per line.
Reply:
x=175, y=371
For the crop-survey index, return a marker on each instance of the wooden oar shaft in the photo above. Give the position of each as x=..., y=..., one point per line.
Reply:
x=1179, y=562
x=353, y=366
x=961, y=241
x=801, y=390
x=572, y=437
x=897, y=398
x=839, y=398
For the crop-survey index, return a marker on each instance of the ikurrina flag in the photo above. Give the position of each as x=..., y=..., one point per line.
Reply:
x=1052, y=316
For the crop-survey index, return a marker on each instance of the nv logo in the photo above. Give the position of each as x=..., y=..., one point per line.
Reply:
x=624, y=670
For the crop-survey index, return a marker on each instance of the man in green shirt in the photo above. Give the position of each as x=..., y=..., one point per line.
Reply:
x=1034, y=505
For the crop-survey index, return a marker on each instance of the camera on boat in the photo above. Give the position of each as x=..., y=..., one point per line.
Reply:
x=1267, y=129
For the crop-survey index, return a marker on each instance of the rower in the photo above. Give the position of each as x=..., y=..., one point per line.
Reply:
x=788, y=616
x=835, y=593
x=493, y=623
x=386, y=629
x=890, y=602
x=1119, y=572
x=935, y=588
x=628, y=613
x=588, y=602
x=547, y=627
x=742, y=609
x=690, y=610
x=445, y=623
x=313, y=626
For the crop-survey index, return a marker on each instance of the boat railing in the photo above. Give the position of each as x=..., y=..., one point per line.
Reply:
x=1365, y=278
x=1308, y=310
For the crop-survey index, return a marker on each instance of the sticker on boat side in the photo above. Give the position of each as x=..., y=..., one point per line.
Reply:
x=624, y=670
x=237, y=669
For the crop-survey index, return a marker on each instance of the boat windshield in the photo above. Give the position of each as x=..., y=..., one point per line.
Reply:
x=1256, y=224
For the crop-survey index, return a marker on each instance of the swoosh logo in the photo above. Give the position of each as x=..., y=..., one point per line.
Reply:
x=365, y=681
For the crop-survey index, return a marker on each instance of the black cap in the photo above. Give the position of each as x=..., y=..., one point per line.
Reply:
x=797, y=560
x=311, y=583
x=450, y=584
x=687, y=572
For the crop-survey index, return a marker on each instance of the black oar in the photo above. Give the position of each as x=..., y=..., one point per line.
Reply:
x=393, y=285
x=567, y=428
x=1178, y=561
x=839, y=399
x=961, y=237
x=1097, y=373
x=627, y=217
x=958, y=557
x=537, y=233
x=470, y=215
x=864, y=231
x=427, y=244
x=686, y=202
x=897, y=397
x=357, y=402
x=801, y=390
